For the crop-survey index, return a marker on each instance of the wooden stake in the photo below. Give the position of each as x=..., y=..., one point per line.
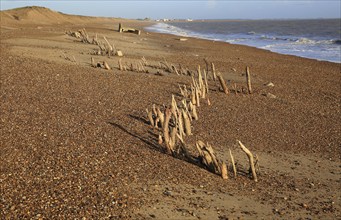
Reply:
x=109, y=46
x=213, y=72
x=206, y=82
x=168, y=115
x=235, y=88
x=93, y=62
x=120, y=64
x=207, y=64
x=208, y=101
x=142, y=67
x=257, y=164
x=233, y=165
x=172, y=141
x=187, y=123
x=248, y=80
x=193, y=96
x=197, y=97
x=160, y=141
x=217, y=167
x=160, y=116
x=224, y=174
x=144, y=61
x=208, y=157
x=250, y=156
x=194, y=112
x=106, y=66
x=185, y=92
x=203, y=91
x=174, y=105
x=176, y=71
x=150, y=117
x=223, y=83
x=180, y=123
x=201, y=83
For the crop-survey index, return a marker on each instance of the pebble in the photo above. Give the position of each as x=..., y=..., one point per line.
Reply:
x=304, y=205
x=168, y=193
x=269, y=95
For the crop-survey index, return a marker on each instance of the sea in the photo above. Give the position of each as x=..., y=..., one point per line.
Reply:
x=318, y=39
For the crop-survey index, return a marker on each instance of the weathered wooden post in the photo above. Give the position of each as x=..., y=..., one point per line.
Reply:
x=168, y=114
x=250, y=156
x=223, y=83
x=224, y=173
x=233, y=165
x=248, y=80
x=120, y=27
x=213, y=72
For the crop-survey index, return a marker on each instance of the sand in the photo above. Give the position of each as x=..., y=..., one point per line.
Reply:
x=75, y=141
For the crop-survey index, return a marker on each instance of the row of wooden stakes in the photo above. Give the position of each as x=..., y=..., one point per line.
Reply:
x=175, y=124
x=105, y=48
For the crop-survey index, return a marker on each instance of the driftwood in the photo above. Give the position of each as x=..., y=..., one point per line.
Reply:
x=250, y=156
x=248, y=80
x=127, y=29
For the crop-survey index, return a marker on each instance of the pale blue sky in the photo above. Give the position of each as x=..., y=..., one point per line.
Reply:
x=203, y=9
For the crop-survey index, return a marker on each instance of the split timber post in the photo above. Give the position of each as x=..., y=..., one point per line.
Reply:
x=248, y=80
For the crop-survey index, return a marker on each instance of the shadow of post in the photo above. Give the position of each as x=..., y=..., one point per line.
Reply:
x=151, y=143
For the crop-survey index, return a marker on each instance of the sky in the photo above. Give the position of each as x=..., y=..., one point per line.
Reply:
x=199, y=9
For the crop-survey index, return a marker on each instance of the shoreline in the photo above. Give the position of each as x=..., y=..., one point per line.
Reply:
x=210, y=37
